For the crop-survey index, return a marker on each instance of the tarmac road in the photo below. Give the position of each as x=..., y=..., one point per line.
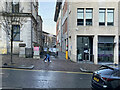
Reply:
x=21, y=78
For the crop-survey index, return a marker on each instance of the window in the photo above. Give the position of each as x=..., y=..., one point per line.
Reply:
x=16, y=32
x=80, y=16
x=89, y=16
x=110, y=17
x=15, y=7
x=106, y=48
x=102, y=17
x=117, y=73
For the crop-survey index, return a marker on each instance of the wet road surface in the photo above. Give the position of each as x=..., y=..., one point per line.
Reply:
x=16, y=78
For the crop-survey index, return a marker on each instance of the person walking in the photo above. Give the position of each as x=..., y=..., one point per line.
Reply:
x=48, y=56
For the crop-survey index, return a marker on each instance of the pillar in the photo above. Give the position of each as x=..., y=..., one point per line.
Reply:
x=116, y=50
x=95, y=49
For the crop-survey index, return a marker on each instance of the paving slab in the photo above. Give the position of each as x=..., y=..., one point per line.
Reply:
x=57, y=64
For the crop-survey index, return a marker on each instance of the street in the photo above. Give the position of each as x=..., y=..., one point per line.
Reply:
x=59, y=44
x=20, y=78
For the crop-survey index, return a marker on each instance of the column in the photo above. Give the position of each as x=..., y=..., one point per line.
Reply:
x=95, y=49
x=116, y=50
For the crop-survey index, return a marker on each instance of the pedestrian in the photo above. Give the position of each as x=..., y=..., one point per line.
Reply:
x=45, y=57
x=48, y=56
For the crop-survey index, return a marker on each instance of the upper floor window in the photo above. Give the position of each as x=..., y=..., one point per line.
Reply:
x=106, y=16
x=110, y=17
x=80, y=16
x=16, y=32
x=89, y=16
x=15, y=7
x=102, y=17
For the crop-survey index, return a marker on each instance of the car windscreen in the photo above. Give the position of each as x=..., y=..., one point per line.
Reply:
x=105, y=71
x=117, y=73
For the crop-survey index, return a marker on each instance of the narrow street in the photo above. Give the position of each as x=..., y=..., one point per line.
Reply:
x=58, y=74
x=27, y=79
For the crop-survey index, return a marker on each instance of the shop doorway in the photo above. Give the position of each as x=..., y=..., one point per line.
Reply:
x=84, y=48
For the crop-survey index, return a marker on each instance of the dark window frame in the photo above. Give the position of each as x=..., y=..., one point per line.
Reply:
x=15, y=7
x=15, y=32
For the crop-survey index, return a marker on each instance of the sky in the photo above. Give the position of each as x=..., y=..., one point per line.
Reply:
x=47, y=11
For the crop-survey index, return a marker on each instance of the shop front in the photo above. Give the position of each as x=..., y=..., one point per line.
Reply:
x=106, y=49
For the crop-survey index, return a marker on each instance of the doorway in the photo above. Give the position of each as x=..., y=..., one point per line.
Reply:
x=84, y=48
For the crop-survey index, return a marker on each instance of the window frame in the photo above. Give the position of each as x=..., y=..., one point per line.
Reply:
x=88, y=12
x=112, y=18
x=14, y=32
x=14, y=9
x=80, y=21
x=103, y=12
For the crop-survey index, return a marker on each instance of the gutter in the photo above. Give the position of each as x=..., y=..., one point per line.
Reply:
x=31, y=29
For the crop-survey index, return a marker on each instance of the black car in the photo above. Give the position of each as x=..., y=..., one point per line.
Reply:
x=107, y=77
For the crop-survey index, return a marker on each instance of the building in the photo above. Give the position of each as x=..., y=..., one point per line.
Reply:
x=57, y=19
x=53, y=41
x=49, y=40
x=39, y=32
x=21, y=21
x=90, y=29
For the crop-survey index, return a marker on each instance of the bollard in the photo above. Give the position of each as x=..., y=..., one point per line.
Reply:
x=66, y=54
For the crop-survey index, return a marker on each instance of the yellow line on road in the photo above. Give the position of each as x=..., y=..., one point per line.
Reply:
x=46, y=71
x=1, y=73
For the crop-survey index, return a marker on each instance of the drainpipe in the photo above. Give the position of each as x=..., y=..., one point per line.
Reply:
x=31, y=30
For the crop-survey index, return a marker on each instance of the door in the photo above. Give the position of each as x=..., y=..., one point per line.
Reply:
x=84, y=48
x=86, y=54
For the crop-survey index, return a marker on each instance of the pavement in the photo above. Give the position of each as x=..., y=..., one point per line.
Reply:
x=57, y=64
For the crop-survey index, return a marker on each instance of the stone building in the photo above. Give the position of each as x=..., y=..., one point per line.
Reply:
x=19, y=20
x=49, y=40
x=39, y=32
x=90, y=29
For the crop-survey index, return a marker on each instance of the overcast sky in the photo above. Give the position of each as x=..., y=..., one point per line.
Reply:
x=47, y=11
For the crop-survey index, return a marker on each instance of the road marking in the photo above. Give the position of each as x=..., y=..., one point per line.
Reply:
x=46, y=71
x=1, y=73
